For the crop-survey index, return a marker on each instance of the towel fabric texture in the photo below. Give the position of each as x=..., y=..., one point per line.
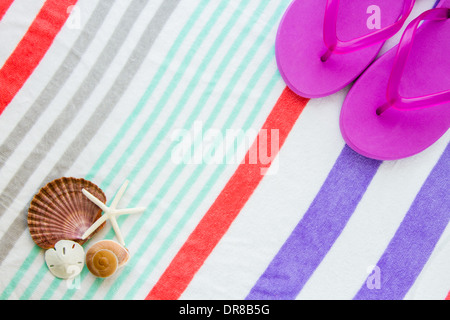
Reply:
x=250, y=191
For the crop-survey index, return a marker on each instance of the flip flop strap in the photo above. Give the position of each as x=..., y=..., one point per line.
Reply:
x=337, y=46
x=394, y=99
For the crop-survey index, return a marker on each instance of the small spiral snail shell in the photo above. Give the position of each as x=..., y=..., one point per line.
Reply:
x=105, y=257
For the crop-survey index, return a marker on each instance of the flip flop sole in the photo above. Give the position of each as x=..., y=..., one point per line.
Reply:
x=398, y=134
x=300, y=45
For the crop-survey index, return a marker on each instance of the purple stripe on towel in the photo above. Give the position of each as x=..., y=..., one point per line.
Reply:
x=318, y=229
x=415, y=239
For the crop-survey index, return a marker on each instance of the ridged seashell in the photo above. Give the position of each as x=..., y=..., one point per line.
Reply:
x=105, y=257
x=60, y=211
x=66, y=260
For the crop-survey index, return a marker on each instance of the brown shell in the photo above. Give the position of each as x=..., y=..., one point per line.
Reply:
x=60, y=211
x=103, y=263
x=104, y=257
x=122, y=253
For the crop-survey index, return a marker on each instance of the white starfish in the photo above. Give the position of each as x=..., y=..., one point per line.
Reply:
x=110, y=213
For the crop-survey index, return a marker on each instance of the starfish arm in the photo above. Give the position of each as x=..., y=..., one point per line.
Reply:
x=94, y=200
x=115, y=226
x=129, y=211
x=119, y=195
x=94, y=227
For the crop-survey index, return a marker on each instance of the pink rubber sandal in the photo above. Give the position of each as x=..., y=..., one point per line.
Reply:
x=379, y=122
x=323, y=45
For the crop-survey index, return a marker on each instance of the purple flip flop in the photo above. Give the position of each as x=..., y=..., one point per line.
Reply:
x=401, y=104
x=323, y=45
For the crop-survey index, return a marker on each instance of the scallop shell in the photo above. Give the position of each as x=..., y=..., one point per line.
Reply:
x=60, y=211
x=105, y=257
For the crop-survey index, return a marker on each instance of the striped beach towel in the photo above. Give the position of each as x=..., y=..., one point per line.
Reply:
x=250, y=191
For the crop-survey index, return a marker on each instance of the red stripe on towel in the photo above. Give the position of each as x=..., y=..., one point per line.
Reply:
x=228, y=204
x=32, y=48
x=4, y=6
